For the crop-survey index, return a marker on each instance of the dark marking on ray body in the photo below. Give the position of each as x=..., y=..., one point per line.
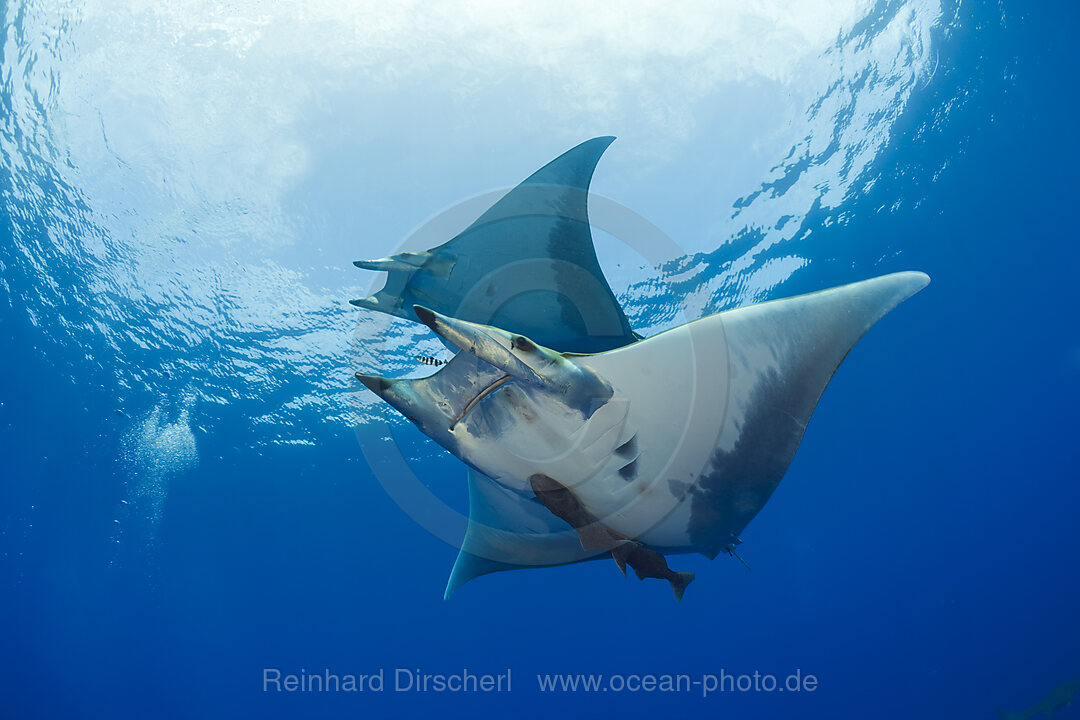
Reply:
x=524, y=344
x=678, y=488
x=736, y=484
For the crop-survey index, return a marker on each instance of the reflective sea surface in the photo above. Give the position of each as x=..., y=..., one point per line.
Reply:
x=194, y=489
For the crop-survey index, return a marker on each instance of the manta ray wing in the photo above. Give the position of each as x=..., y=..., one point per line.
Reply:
x=508, y=531
x=721, y=404
x=527, y=264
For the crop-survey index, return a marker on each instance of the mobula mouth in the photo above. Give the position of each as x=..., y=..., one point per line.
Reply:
x=492, y=386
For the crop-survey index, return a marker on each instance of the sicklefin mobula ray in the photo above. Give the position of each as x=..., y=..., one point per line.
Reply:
x=635, y=451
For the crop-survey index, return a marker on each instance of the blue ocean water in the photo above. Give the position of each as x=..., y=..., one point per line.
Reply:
x=184, y=502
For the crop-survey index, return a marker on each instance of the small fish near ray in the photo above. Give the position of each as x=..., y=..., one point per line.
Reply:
x=712, y=411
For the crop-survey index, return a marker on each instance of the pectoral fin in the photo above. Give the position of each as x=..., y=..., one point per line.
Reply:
x=507, y=531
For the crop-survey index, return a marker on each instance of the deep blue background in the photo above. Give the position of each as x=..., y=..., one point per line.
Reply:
x=920, y=558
